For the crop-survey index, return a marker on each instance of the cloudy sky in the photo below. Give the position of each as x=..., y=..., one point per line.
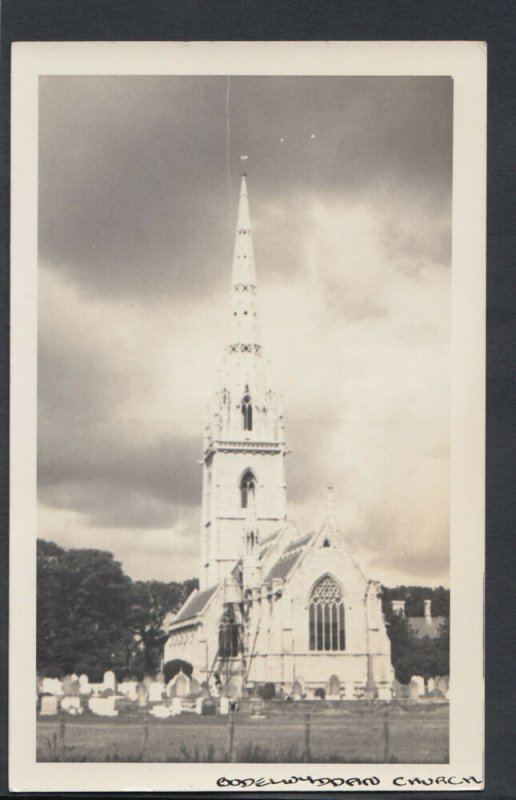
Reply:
x=350, y=193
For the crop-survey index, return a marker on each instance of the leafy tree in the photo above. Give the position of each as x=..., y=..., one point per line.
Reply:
x=172, y=668
x=92, y=617
x=83, y=598
x=151, y=601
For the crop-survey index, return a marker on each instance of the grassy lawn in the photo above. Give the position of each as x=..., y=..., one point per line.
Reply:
x=339, y=733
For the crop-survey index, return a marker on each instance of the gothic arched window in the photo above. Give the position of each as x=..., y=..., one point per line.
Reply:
x=247, y=486
x=326, y=616
x=247, y=413
x=230, y=639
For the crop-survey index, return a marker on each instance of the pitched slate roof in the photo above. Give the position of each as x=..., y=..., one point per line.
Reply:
x=282, y=566
x=421, y=626
x=196, y=604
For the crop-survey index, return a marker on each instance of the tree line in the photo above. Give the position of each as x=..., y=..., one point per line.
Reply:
x=91, y=617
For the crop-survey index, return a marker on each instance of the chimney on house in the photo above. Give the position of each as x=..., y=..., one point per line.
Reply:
x=427, y=611
x=398, y=607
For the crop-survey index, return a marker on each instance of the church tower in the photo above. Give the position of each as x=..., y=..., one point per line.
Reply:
x=244, y=442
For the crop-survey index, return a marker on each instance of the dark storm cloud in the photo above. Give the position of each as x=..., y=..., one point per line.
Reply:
x=134, y=195
x=116, y=474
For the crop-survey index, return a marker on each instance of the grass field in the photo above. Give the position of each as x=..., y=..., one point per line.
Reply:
x=338, y=733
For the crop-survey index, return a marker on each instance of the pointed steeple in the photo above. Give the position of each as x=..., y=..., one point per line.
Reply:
x=244, y=273
x=244, y=334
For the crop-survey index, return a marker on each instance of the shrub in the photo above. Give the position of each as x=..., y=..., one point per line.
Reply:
x=267, y=691
x=171, y=669
x=320, y=692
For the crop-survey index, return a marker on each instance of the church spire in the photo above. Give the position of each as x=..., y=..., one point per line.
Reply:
x=244, y=335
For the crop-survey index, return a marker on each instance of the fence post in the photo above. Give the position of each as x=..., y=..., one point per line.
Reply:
x=307, y=756
x=145, y=751
x=62, y=736
x=231, y=735
x=386, y=737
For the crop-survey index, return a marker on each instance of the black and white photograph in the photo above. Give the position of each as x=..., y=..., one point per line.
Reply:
x=245, y=308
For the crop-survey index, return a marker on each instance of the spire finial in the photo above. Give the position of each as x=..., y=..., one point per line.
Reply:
x=330, y=507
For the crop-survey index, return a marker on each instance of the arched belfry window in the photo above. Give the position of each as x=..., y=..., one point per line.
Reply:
x=230, y=639
x=326, y=616
x=247, y=487
x=247, y=412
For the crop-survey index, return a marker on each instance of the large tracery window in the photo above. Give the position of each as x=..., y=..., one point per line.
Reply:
x=247, y=486
x=326, y=616
x=230, y=638
x=247, y=412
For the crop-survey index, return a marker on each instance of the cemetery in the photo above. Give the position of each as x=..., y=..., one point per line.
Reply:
x=183, y=720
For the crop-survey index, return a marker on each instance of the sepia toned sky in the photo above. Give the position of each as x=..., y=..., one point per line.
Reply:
x=350, y=194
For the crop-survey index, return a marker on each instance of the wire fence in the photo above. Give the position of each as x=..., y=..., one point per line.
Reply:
x=327, y=735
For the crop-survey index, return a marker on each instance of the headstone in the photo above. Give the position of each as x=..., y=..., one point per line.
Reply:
x=333, y=691
x=205, y=691
x=442, y=684
x=155, y=690
x=177, y=706
x=198, y=705
x=142, y=694
x=224, y=705
x=84, y=684
x=51, y=686
x=128, y=689
x=384, y=693
x=110, y=680
x=160, y=711
x=103, y=706
x=71, y=704
x=413, y=690
x=430, y=685
x=420, y=684
x=195, y=688
x=48, y=705
x=257, y=708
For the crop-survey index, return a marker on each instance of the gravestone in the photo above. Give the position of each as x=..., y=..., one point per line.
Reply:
x=71, y=704
x=442, y=684
x=103, y=706
x=224, y=705
x=413, y=690
x=430, y=685
x=420, y=684
x=84, y=684
x=128, y=689
x=257, y=709
x=109, y=681
x=142, y=694
x=333, y=692
x=48, y=705
x=198, y=705
x=160, y=711
x=384, y=693
x=51, y=686
x=195, y=688
x=297, y=690
x=205, y=691
x=155, y=690
x=177, y=706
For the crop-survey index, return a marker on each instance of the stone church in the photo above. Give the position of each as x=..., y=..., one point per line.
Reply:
x=275, y=605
